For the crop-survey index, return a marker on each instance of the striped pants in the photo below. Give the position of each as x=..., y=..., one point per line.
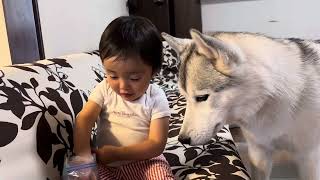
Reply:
x=152, y=169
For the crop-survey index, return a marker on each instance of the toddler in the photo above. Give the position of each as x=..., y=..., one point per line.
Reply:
x=133, y=114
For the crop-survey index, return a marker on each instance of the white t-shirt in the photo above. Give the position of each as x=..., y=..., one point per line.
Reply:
x=122, y=122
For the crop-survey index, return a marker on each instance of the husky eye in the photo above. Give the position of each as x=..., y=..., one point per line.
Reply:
x=218, y=89
x=202, y=98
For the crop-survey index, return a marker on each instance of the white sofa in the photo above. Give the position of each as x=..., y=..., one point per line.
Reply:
x=39, y=103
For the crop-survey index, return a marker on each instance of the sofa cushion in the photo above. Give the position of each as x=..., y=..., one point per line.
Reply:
x=38, y=106
x=167, y=78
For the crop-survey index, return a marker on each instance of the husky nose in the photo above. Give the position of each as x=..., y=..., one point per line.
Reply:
x=184, y=140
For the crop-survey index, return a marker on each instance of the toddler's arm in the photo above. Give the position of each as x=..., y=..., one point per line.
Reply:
x=82, y=132
x=147, y=149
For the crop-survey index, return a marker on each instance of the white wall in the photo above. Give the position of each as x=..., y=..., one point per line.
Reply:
x=75, y=26
x=5, y=58
x=293, y=18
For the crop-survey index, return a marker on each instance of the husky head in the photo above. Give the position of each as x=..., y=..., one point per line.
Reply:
x=210, y=77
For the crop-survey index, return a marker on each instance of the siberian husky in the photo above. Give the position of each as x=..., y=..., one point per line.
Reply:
x=269, y=87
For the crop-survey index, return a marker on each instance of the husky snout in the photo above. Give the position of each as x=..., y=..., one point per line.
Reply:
x=186, y=139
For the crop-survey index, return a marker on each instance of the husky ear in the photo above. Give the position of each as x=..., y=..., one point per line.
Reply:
x=203, y=44
x=178, y=44
x=210, y=46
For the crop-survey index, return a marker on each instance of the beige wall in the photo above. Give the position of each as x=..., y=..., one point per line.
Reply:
x=5, y=58
x=279, y=18
x=68, y=29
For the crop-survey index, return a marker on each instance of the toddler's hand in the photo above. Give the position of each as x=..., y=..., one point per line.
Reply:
x=107, y=154
x=80, y=167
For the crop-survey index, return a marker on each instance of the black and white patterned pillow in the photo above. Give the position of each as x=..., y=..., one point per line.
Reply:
x=168, y=75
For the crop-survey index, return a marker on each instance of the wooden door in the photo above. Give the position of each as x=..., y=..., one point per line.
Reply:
x=158, y=11
x=23, y=28
x=187, y=15
x=175, y=17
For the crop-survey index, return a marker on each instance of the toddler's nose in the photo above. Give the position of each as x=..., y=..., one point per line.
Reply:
x=123, y=85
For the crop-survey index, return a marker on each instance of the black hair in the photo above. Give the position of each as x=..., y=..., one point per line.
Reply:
x=132, y=36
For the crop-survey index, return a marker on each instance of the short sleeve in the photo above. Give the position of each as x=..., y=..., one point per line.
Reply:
x=98, y=93
x=161, y=105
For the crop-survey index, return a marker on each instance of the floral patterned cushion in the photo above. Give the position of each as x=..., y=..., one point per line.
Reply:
x=38, y=106
x=39, y=103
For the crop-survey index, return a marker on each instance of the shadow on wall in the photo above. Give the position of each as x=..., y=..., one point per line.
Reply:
x=222, y=1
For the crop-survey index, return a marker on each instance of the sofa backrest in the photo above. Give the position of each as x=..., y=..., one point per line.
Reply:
x=38, y=106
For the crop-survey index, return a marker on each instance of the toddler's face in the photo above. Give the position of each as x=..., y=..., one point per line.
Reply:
x=129, y=77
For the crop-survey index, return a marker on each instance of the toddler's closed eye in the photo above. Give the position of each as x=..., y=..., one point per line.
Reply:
x=134, y=79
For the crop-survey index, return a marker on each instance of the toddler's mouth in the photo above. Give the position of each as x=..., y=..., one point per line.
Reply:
x=126, y=94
